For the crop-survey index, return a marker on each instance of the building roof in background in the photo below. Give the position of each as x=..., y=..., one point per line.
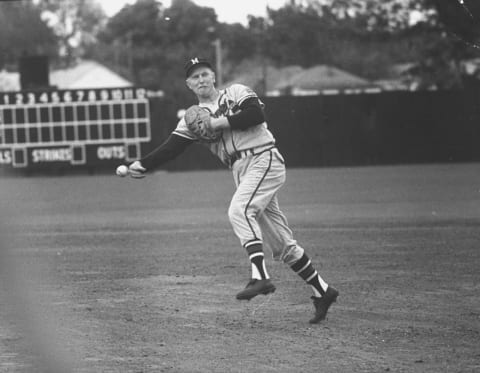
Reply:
x=87, y=74
x=319, y=78
x=253, y=77
x=295, y=80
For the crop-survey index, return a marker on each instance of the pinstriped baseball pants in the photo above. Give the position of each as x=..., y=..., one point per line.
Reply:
x=254, y=210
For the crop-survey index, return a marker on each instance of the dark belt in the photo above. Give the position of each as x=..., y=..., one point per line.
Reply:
x=250, y=152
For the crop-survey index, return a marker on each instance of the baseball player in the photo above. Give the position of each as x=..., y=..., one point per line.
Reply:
x=240, y=138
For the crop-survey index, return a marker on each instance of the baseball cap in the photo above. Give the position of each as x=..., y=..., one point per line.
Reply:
x=196, y=62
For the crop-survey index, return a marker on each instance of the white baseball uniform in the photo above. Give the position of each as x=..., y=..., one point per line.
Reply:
x=259, y=172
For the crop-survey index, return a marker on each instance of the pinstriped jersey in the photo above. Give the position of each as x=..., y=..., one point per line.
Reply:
x=230, y=141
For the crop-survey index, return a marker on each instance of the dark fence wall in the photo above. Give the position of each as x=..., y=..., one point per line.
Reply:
x=330, y=130
x=367, y=129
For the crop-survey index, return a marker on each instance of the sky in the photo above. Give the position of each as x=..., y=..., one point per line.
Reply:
x=228, y=11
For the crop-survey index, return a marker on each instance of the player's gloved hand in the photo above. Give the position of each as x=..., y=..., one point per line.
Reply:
x=198, y=121
x=136, y=170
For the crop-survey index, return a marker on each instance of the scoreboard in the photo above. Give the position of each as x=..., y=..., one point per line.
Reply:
x=73, y=127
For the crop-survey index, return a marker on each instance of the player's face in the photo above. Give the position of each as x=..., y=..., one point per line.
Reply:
x=202, y=81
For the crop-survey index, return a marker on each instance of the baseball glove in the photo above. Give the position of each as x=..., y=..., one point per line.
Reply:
x=198, y=121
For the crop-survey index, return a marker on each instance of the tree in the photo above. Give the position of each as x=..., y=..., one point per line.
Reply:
x=341, y=33
x=373, y=15
x=456, y=28
x=461, y=18
x=150, y=43
x=76, y=24
x=367, y=37
x=22, y=31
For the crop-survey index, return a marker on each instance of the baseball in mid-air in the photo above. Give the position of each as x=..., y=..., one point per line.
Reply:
x=122, y=170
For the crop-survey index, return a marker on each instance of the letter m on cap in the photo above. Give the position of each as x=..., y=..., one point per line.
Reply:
x=194, y=61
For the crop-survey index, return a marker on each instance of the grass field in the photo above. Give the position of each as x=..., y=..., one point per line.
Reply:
x=102, y=274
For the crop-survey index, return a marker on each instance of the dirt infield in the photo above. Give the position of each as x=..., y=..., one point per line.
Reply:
x=103, y=274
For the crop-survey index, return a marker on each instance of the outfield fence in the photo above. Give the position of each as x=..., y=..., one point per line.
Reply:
x=96, y=130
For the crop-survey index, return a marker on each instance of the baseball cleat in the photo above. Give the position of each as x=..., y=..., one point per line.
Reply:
x=256, y=287
x=323, y=304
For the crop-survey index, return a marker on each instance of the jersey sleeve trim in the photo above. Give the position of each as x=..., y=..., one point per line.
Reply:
x=242, y=100
x=183, y=131
x=241, y=93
